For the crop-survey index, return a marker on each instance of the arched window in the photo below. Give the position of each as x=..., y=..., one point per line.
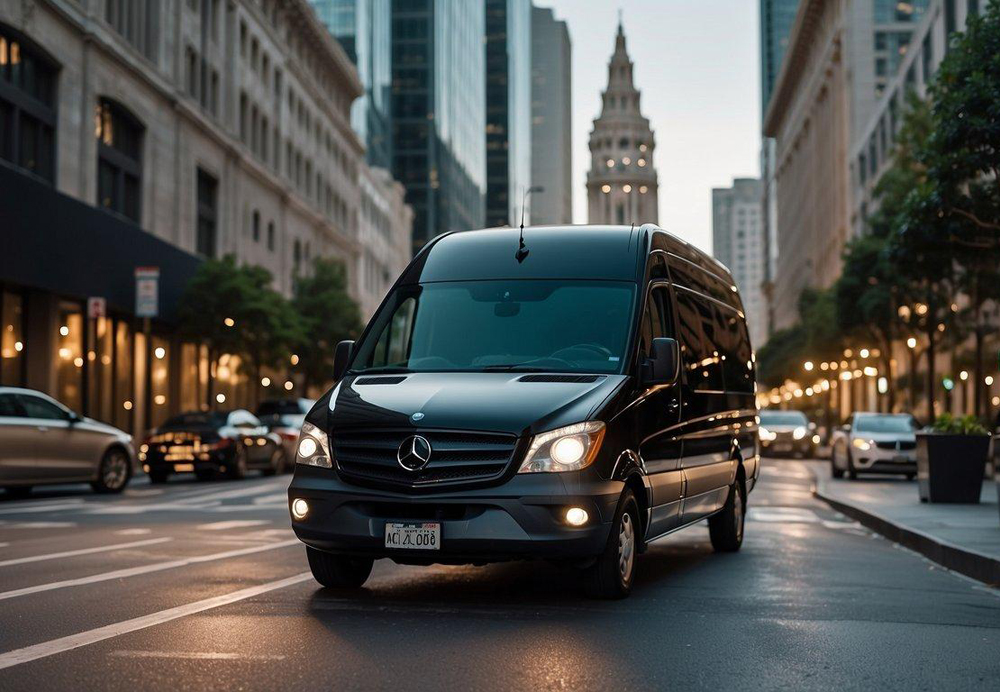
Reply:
x=119, y=159
x=255, y=223
x=27, y=105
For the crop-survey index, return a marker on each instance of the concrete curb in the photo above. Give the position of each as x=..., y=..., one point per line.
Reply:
x=978, y=566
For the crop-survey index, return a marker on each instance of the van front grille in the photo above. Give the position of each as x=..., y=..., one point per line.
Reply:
x=371, y=456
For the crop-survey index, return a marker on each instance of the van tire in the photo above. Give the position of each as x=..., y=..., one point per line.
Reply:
x=725, y=528
x=612, y=575
x=338, y=571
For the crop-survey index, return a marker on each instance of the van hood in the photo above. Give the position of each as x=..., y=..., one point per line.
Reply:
x=500, y=402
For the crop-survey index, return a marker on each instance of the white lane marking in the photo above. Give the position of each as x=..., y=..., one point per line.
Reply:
x=847, y=524
x=144, y=569
x=143, y=492
x=47, y=507
x=84, y=551
x=42, y=525
x=241, y=492
x=232, y=524
x=134, y=532
x=197, y=655
x=782, y=514
x=75, y=641
x=141, y=509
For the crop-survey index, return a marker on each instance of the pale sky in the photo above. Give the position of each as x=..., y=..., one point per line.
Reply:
x=696, y=64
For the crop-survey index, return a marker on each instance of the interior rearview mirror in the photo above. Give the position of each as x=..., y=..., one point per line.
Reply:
x=663, y=364
x=340, y=358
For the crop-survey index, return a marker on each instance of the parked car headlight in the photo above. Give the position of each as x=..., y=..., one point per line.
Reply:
x=313, y=447
x=799, y=433
x=863, y=445
x=565, y=449
x=766, y=434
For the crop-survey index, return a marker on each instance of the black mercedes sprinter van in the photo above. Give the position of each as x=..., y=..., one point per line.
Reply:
x=572, y=398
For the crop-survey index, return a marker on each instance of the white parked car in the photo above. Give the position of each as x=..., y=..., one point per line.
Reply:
x=875, y=443
x=43, y=442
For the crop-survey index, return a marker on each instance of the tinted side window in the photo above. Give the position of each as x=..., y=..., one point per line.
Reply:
x=35, y=407
x=9, y=407
x=697, y=279
x=738, y=366
x=656, y=321
x=701, y=329
x=393, y=346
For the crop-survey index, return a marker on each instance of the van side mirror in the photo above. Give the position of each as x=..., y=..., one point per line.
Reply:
x=663, y=363
x=341, y=357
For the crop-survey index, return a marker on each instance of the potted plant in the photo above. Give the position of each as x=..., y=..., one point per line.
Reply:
x=951, y=459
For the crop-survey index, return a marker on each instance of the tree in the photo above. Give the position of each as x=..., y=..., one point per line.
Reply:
x=233, y=309
x=327, y=315
x=866, y=295
x=963, y=160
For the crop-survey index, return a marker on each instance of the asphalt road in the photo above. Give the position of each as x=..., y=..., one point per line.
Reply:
x=194, y=586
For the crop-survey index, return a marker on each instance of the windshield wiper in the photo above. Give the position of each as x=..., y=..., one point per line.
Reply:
x=385, y=370
x=512, y=367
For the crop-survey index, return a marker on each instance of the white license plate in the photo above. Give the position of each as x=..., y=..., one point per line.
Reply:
x=782, y=447
x=901, y=460
x=183, y=468
x=426, y=536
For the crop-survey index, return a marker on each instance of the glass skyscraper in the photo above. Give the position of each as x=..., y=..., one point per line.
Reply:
x=439, y=113
x=508, y=109
x=776, y=20
x=363, y=28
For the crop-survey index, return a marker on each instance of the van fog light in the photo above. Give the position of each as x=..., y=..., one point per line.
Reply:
x=576, y=516
x=300, y=508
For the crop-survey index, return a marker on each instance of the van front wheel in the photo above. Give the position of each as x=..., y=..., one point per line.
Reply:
x=726, y=528
x=338, y=571
x=611, y=576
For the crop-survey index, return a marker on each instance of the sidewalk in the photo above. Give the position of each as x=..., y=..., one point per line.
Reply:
x=964, y=538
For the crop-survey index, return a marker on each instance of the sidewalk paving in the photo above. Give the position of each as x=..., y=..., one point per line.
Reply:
x=964, y=538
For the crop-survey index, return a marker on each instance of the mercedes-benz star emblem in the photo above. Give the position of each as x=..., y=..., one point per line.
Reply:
x=414, y=453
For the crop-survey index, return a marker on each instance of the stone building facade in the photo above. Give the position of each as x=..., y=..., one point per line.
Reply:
x=163, y=132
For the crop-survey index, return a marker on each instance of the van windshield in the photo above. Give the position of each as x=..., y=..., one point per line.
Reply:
x=510, y=325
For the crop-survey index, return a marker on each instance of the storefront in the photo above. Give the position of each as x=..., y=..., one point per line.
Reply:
x=109, y=365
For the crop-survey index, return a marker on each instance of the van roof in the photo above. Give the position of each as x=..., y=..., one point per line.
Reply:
x=554, y=252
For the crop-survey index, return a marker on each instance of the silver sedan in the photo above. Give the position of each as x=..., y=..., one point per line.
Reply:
x=43, y=442
x=875, y=443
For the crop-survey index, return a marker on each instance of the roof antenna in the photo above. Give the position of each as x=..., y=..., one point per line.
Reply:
x=522, y=251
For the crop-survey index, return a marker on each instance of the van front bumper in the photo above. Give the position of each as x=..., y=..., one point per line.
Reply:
x=522, y=518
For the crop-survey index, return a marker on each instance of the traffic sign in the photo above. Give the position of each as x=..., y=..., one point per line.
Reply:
x=97, y=307
x=147, y=291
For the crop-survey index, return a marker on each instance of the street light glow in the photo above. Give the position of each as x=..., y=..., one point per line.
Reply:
x=989, y=380
x=964, y=375
x=911, y=342
x=864, y=353
x=808, y=365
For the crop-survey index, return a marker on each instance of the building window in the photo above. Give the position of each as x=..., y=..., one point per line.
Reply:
x=296, y=257
x=136, y=21
x=972, y=9
x=270, y=236
x=27, y=106
x=255, y=226
x=207, y=213
x=119, y=159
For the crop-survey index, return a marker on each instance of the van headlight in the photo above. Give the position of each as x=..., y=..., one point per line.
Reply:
x=565, y=449
x=863, y=445
x=799, y=433
x=766, y=434
x=313, y=447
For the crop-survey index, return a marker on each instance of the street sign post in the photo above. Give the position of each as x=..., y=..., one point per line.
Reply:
x=97, y=307
x=147, y=291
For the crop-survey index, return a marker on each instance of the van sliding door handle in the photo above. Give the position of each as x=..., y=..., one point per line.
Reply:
x=673, y=404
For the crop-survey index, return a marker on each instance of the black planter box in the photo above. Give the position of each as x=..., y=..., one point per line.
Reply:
x=950, y=468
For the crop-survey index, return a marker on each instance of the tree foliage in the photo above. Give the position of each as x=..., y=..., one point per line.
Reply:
x=327, y=314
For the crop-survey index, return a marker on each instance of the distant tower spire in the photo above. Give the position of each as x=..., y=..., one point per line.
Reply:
x=622, y=182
